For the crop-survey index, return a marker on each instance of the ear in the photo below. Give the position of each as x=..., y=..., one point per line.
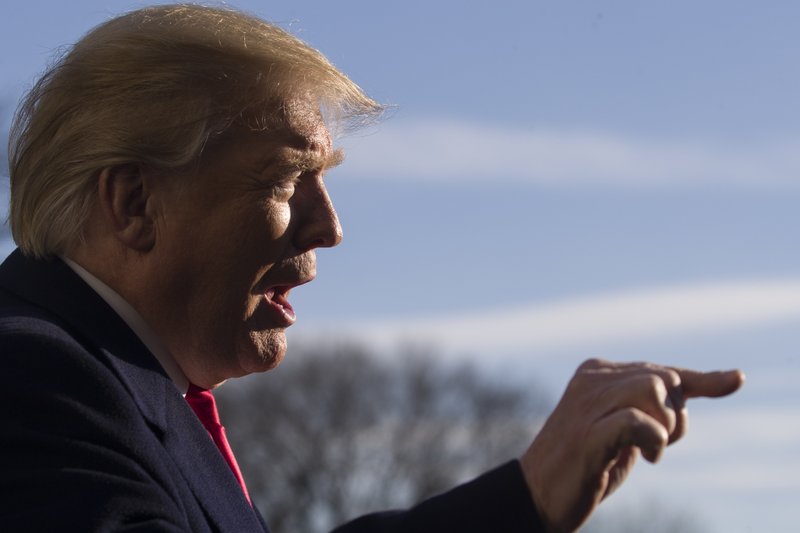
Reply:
x=123, y=197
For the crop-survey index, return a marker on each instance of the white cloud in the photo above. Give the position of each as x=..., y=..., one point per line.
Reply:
x=588, y=321
x=452, y=150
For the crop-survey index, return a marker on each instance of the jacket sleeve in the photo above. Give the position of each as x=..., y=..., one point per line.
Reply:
x=498, y=501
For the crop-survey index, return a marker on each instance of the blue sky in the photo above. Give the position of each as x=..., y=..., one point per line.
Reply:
x=560, y=180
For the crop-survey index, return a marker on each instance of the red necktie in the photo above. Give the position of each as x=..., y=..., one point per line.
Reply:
x=202, y=403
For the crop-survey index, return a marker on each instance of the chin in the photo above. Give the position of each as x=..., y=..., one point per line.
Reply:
x=265, y=351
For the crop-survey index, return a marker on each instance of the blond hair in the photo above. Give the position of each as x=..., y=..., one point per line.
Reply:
x=151, y=88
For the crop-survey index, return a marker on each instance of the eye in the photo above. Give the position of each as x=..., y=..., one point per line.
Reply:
x=284, y=187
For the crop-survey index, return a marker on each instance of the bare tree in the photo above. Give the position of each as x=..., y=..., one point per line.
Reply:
x=337, y=432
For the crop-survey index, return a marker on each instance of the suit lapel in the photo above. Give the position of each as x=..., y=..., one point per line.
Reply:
x=190, y=447
x=53, y=286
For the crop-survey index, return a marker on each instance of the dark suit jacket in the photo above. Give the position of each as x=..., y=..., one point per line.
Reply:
x=95, y=437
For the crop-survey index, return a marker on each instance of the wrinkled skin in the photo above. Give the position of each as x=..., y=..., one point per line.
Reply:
x=208, y=256
x=236, y=240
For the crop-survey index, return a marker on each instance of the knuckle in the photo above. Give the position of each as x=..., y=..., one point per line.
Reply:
x=586, y=378
x=658, y=387
x=672, y=377
x=592, y=364
x=653, y=380
x=631, y=416
x=649, y=388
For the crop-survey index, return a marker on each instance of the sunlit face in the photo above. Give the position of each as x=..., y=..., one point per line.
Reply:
x=233, y=242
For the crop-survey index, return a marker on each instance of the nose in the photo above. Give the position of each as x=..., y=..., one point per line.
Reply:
x=319, y=225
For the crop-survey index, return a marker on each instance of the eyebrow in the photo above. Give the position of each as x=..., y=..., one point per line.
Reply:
x=311, y=160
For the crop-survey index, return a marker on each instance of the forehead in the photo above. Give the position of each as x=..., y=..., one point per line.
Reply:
x=304, y=134
x=297, y=136
x=303, y=123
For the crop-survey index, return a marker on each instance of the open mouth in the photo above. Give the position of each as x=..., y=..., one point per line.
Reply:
x=278, y=300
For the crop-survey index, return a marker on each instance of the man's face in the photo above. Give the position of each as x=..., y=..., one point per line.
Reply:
x=233, y=241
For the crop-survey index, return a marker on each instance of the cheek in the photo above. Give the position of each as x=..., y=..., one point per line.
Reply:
x=255, y=228
x=277, y=221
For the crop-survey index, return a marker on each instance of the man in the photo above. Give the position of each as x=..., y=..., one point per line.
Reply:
x=167, y=195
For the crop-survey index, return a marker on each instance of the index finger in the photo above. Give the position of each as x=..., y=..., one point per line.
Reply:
x=696, y=384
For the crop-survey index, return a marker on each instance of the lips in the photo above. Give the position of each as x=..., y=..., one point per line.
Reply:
x=277, y=299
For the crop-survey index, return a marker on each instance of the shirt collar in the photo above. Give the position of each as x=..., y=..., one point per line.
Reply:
x=134, y=321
